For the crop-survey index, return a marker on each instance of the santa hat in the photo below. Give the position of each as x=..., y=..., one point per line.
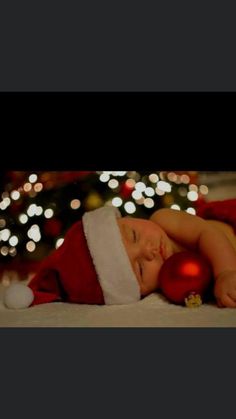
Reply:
x=90, y=267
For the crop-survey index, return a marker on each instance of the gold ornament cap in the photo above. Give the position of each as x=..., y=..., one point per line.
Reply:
x=193, y=300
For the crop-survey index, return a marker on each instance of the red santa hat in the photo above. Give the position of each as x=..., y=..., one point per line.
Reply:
x=90, y=267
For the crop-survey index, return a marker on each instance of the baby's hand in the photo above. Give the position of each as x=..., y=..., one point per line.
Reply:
x=225, y=289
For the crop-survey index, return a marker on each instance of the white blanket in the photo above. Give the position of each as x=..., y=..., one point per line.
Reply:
x=152, y=311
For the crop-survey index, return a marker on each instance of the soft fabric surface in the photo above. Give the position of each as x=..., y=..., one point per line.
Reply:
x=153, y=311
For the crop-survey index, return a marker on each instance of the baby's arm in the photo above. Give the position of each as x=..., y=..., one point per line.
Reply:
x=195, y=233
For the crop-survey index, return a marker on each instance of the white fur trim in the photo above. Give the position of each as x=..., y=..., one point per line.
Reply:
x=114, y=270
x=18, y=295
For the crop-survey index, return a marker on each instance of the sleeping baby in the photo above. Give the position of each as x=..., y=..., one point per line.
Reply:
x=109, y=259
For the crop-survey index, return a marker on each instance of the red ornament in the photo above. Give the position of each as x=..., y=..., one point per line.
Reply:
x=185, y=277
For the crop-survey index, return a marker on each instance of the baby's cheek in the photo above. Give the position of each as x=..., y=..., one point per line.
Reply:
x=157, y=273
x=152, y=276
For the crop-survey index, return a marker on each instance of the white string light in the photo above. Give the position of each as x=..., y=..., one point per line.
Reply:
x=75, y=204
x=27, y=187
x=30, y=246
x=140, y=186
x=191, y=210
x=192, y=196
x=4, y=250
x=164, y=186
x=149, y=191
x=148, y=203
x=117, y=201
x=33, y=178
x=130, y=208
x=5, y=234
x=15, y=195
x=153, y=178
x=104, y=177
x=48, y=213
x=175, y=207
x=59, y=242
x=113, y=183
x=13, y=241
x=23, y=218
x=38, y=187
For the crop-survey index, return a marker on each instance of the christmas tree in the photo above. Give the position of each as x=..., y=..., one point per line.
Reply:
x=36, y=209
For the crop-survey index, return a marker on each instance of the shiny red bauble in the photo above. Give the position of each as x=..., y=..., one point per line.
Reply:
x=185, y=274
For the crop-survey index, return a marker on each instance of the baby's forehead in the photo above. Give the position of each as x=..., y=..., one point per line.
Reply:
x=143, y=225
x=135, y=221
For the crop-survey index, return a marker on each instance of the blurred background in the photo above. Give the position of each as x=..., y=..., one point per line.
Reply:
x=37, y=208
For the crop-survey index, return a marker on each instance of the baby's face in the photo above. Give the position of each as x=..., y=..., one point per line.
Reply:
x=147, y=246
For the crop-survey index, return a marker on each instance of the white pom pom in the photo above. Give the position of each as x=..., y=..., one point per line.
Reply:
x=18, y=296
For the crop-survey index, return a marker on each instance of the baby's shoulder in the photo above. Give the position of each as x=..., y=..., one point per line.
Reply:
x=169, y=215
x=163, y=212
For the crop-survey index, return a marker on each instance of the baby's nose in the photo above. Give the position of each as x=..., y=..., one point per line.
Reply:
x=151, y=251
